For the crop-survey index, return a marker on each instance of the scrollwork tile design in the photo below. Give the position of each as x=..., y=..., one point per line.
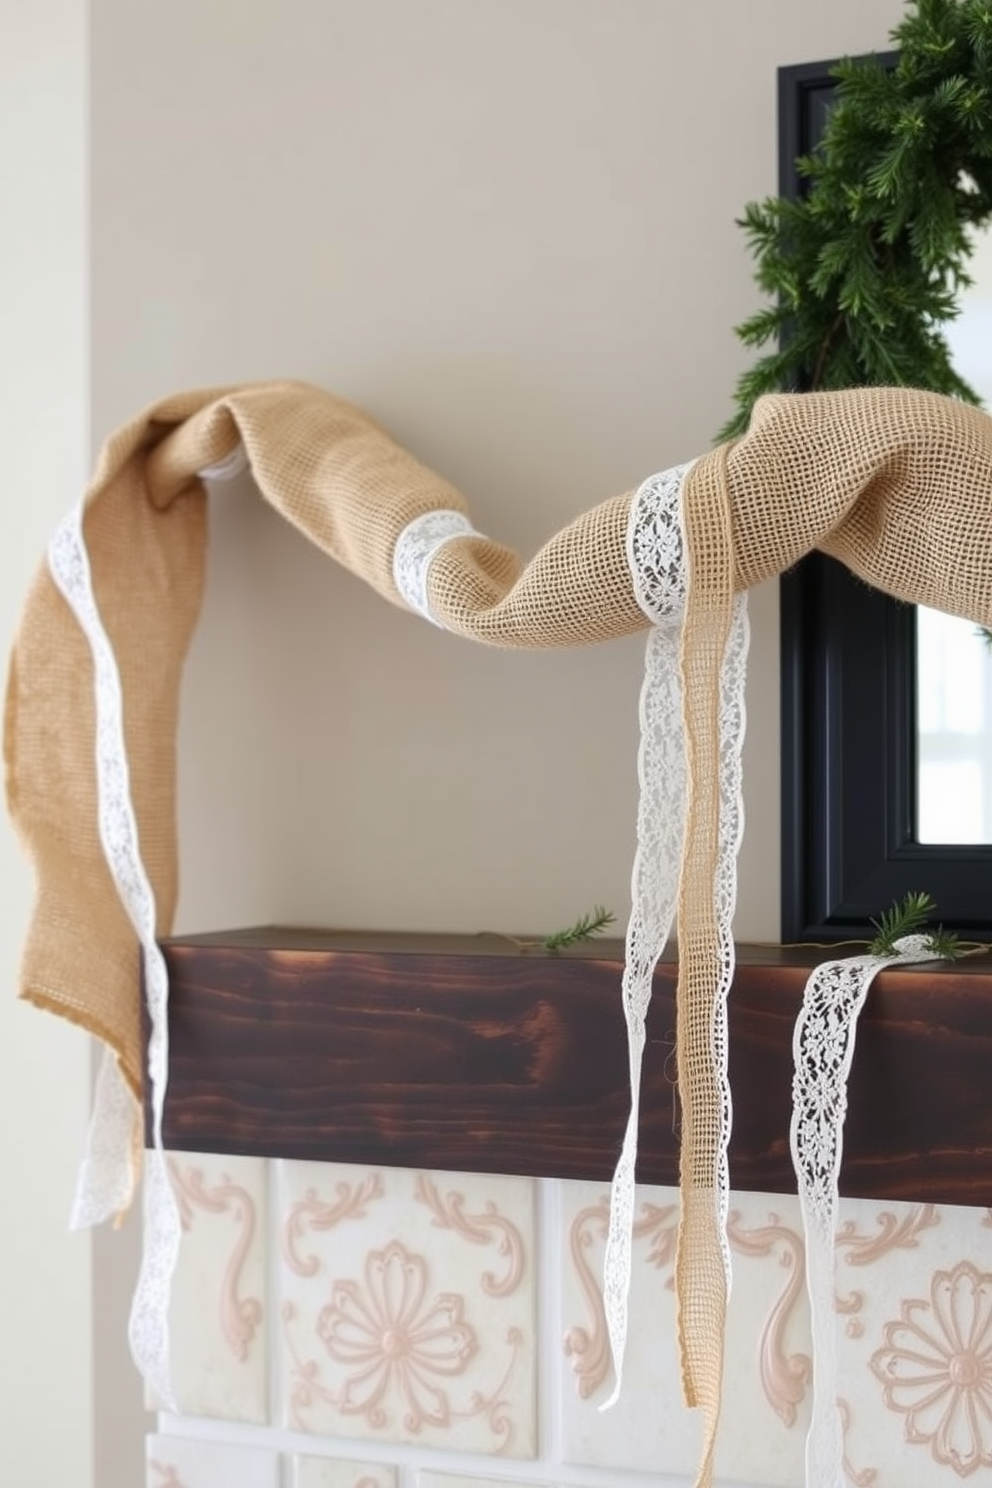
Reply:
x=218, y=1314
x=785, y=1375
x=914, y=1305
x=891, y=1232
x=406, y=1314
x=768, y=1366
x=587, y=1345
x=408, y=1307
x=648, y=1427
x=350, y=1201
x=183, y=1462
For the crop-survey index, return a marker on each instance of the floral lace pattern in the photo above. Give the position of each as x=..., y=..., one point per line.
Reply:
x=732, y=723
x=656, y=557
x=106, y=1173
x=823, y=1050
x=414, y=552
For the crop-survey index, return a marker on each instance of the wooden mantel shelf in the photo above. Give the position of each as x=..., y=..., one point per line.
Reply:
x=461, y=1052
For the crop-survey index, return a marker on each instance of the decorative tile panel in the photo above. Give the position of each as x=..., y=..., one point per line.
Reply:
x=914, y=1342
x=408, y=1307
x=767, y=1367
x=338, y=1472
x=914, y=1285
x=648, y=1427
x=219, y=1315
x=180, y=1462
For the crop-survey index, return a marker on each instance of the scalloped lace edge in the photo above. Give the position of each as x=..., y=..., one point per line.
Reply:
x=415, y=550
x=823, y=1052
x=657, y=562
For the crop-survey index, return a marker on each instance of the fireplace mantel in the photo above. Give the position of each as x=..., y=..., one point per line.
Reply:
x=474, y=1053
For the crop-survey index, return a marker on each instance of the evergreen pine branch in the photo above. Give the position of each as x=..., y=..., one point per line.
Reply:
x=907, y=918
x=945, y=944
x=585, y=928
x=911, y=918
x=864, y=270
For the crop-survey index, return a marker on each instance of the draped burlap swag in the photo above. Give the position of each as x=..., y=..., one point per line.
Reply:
x=897, y=484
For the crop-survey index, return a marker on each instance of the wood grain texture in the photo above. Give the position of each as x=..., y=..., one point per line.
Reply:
x=463, y=1054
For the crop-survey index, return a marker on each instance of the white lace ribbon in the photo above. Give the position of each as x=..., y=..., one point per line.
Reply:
x=229, y=468
x=733, y=725
x=655, y=555
x=105, y=1184
x=415, y=550
x=823, y=1050
x=656, y=558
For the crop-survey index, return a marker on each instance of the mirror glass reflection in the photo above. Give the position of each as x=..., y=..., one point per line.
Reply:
x=953, y=657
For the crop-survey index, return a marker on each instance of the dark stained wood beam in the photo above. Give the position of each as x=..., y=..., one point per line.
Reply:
x=465, y=1053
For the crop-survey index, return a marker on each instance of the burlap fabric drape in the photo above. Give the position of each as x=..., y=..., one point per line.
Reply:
x=897, y=484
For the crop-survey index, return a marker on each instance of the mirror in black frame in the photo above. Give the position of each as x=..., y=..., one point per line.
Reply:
x=886, y=711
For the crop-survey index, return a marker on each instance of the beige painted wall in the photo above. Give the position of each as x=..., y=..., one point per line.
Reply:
x=46, y=1367
x=507, y=228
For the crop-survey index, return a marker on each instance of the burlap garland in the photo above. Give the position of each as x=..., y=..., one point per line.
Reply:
x=895, y=483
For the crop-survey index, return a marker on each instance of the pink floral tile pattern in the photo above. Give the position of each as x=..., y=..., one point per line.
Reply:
x=935, y=1368
x=219, y=1311
x=340, y=1472
x=408, y=1307
x=915, y=1355
x=767, y=1366
x=914, y=1331
x=181, y=1462
x=405, y=1314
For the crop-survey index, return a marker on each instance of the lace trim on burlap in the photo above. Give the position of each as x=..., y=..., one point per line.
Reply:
x=823, y=1051
x=232, y=465
x=415, y=551
x=655, y=554
x=106, y=1176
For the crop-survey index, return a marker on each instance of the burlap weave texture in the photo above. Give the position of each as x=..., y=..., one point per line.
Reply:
x=334, y=474
x=895, y=483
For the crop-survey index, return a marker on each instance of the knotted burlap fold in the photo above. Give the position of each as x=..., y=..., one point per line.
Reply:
x=897, y=484
x=338, y=477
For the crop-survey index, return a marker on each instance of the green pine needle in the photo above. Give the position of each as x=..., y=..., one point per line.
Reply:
x=910, y=918
x=864, y=270
x=945, y=944
x=585, y=928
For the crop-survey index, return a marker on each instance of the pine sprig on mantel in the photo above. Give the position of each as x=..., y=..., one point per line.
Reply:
x=912, y=917
x=587, y=927
x=867, y=267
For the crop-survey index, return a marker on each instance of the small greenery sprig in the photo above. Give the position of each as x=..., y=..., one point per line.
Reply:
x=865, y=269
x=910, y=918
x=585, y=928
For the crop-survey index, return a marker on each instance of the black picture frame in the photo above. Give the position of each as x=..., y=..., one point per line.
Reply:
x=848, y=732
